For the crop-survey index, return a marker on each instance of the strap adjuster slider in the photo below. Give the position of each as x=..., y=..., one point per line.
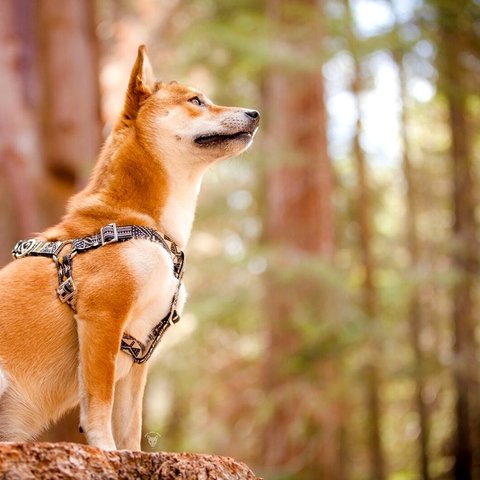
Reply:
x=66, y=290
x=109, y=234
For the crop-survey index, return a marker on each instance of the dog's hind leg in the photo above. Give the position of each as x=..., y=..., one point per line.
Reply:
x=19, y=420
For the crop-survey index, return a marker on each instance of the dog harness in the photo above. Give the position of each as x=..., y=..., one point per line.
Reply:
x=108, y=234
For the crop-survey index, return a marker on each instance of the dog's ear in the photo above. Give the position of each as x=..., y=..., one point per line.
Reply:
x=141, y=84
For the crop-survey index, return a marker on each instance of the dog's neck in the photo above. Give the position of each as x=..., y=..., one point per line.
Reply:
x=177, y=215
x=132, y=186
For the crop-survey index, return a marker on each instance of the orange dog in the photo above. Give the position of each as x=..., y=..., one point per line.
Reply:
x=83, y=306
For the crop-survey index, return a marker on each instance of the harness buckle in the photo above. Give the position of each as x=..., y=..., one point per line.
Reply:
x=66, y=290
x=23, y=248
x=109, y=234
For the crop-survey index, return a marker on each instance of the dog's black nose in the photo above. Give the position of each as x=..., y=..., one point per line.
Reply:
x=253, y=114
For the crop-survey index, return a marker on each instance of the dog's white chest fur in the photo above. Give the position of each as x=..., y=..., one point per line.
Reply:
x=152, y=267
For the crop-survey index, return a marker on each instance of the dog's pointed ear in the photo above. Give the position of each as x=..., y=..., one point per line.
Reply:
x=141, y=84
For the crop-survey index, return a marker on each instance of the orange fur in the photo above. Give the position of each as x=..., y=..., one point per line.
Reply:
x=148, y=173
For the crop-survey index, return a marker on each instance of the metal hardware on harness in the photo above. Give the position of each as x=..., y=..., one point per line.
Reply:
x=66, y=289
x=23, y=248
x=173, y=312
x=34, y=247
x=108, y=234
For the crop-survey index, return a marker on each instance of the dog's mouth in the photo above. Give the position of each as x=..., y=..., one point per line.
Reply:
x=217, y=138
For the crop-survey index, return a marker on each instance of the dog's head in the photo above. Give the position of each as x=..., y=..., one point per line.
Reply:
x=179, y=122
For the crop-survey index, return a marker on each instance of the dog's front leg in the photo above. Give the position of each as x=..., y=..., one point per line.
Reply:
x=127, y=407
x=99, y=343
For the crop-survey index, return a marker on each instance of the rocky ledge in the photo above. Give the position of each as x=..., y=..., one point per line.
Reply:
x=59, y=461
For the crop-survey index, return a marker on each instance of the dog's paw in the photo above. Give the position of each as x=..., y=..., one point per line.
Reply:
x=102, y=442
x=108, y=447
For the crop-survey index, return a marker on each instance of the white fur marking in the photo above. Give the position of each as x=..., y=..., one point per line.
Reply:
x=152, y=267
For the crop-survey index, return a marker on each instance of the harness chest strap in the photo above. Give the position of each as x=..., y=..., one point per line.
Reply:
x=108, y=234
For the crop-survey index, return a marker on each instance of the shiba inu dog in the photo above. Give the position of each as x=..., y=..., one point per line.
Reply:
x=84, y=304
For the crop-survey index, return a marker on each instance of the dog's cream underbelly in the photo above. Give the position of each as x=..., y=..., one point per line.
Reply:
x=152, y=268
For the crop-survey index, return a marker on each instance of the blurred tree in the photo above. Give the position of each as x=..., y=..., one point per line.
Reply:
x=399, y=49
x=70, y=98
x=19, y=160
x=457, y=37
x=299, y=220
x=369, y=291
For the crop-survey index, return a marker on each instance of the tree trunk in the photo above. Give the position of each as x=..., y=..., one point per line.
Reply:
x=415, y=312
x=299, y=220
x=70, y=107
x=19, y=160
x=464, y=259
x=369, y=293
x=453, y=44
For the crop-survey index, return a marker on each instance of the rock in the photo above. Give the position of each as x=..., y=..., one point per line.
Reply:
x=60, y=461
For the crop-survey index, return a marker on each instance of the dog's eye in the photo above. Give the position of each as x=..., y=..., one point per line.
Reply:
x=196, y=101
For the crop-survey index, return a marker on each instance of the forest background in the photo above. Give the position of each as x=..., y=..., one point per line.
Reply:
x=332, y=328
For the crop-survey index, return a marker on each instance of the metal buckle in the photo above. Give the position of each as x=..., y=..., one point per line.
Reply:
x=109, y=234
x=66, y=290
x=173, y=317
x=23, y=248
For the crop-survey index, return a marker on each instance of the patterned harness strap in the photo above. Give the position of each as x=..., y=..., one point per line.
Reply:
x=108, y=234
